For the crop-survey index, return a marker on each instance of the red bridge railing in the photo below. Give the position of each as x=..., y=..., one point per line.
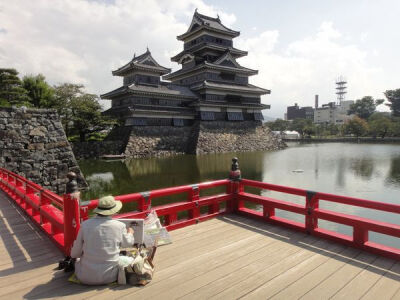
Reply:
x=60, y=217
x=43, y=206
x=312, y=213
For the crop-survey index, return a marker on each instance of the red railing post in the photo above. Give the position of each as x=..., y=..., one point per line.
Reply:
x=194, y=196
x=360, y=236
x=312, y=202
x=144, y=204
x=71, y=213
x=235, y=187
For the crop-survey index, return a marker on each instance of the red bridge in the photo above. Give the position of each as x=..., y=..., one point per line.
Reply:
x=232, y=256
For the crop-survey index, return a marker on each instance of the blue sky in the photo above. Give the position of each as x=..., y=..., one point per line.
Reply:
x=299, y=47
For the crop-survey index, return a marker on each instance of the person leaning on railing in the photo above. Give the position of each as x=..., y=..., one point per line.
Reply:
x=98, y=243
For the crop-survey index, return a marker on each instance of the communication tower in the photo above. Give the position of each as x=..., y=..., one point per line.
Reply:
x=341, y=86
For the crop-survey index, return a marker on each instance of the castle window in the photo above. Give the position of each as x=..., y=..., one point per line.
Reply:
x=258, y=116
x=233, y=98
x=235, y=116
x=207, y=115
x=178, y=122
x=137, y=122
x=227, y=76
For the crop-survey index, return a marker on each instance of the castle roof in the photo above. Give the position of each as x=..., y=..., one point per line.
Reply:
x=249, y=88
x=205, y=46
x=201, y=22
x=163, y=89
x=143, y=62
x=225, y=62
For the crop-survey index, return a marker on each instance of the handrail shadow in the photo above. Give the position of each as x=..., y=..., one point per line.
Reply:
x=24, y=245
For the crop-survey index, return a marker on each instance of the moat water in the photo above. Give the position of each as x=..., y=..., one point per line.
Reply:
x=369, y=171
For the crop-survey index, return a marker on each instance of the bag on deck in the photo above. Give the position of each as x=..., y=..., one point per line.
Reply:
x=140, y=272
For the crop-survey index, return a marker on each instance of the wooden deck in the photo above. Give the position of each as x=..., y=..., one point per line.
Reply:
x=225, y=258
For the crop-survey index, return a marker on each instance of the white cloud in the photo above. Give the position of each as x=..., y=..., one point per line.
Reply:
x=82, y=41
x=309, y=66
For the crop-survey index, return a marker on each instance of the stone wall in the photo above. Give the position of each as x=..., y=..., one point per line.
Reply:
x=203, y=137
x=33, y=144
x=96, y=149
x=227, y=136
x=157, y=141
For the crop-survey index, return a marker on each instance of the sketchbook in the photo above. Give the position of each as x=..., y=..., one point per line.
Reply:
x=138, y=228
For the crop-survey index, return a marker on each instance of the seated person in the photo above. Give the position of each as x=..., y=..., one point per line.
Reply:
x=98, y=244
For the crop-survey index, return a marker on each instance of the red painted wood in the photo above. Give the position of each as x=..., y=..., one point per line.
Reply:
x=44, y=208
x=280, y=204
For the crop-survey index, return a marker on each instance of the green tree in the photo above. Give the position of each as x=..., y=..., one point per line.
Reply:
x=278, y=125
x=63, y=95
x=395, y=129
x=393, y=96
x=86, y=115
x=380, y=126
x=356, y=126
x=309, y=129
x=302, y=126
x=11, y=90
x=365, y=107
x=40, y=93
x=80, y=112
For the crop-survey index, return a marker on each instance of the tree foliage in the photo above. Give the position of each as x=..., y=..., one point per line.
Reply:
x=356, y=126
x=365, y=107
x=80, y=112
x=380, y=126
x=40, y=93
x=278, y=125
x=303, y=126
x=11, y=90
x=393, y=96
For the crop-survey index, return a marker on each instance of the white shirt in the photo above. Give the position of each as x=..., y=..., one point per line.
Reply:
x=97, y=245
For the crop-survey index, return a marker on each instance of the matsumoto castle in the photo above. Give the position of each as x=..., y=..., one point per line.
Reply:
x=210, y=86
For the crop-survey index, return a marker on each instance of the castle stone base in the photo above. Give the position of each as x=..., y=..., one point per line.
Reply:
x=201, y=138
x=235, y=137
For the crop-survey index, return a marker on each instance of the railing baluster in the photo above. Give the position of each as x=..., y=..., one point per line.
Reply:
x=193, y=196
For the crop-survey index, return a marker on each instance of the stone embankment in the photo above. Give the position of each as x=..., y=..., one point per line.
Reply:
x=236, y=137
x=201, y=138
x=95, y=149
x=33, y=144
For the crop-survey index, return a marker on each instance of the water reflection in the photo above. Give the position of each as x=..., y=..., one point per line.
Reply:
x=341, y=171
x=360, y=170
x=336, y=168
x=362, y=167
x=393, y=177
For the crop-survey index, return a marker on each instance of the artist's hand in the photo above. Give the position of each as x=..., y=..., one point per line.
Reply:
x=130, y=230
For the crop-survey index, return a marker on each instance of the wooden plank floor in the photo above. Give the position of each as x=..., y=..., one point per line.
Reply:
x=226, y=258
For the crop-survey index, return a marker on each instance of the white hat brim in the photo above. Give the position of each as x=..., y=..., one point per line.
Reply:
x=111, y=211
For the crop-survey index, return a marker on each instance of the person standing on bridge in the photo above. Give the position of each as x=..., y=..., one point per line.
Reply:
x=98, y=244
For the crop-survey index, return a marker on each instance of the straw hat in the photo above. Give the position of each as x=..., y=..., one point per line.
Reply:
x=108, y=206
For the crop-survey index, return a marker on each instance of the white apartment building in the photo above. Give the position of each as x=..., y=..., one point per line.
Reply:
x=332, y=113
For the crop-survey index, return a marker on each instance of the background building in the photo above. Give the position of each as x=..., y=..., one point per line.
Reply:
x=296, y=112
x=333, y=113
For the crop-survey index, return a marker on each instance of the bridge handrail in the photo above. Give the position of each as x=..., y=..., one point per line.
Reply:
x=44, y=207
x=171, y=211
x=361, y=226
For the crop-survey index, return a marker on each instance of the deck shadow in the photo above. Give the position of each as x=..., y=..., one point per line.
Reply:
x=25, y=245
x=275, y=232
